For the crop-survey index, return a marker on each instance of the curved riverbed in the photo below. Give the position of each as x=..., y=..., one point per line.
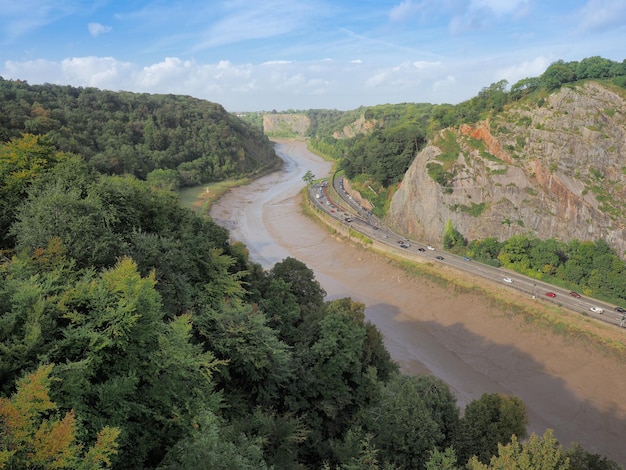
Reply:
x=428, y=329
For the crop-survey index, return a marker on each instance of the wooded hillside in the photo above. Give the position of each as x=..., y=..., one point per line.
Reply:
x=172, y=140
x=134, y=335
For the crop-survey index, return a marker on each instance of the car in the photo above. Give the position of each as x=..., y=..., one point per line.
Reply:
x=404, y=245
x=439, y=257
x=431, y=248
x=595, y=309
x=551, y=294
x=508, y=280
x=575, y=294
x=421, y=249
x=465, y=258
x=620, y=309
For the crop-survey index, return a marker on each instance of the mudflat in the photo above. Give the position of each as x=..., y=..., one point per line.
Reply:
x=476, y=348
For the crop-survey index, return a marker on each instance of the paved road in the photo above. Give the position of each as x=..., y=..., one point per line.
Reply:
x=339, y=204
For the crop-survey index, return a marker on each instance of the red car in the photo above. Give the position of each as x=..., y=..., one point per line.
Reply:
x=550, y=294
x=575, y=294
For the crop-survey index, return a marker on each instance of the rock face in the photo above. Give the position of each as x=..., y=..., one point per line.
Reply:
x=285, y=125
x=556, y=169
x=359, y=126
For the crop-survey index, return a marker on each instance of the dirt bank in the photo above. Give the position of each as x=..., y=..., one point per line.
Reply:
x=462, y=338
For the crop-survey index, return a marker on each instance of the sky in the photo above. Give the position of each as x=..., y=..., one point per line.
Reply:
x=263, y=55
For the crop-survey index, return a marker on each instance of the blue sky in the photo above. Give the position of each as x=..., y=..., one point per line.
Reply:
x=254, y=55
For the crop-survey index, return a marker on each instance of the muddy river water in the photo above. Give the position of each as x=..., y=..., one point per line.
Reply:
x=576, y=391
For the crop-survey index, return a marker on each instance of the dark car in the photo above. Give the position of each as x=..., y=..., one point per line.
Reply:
x=421, y=249
x=551, y=294
x=620, y=309
x=439, y=257
x=575, y=294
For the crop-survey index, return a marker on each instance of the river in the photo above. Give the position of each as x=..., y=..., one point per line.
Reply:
x=428, y=328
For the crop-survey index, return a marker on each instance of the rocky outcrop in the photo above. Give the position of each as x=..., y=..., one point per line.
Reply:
x=285, y=125
x=556, y=169
x=359, y=126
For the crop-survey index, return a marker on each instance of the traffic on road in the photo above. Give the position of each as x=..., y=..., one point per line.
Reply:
x=336, y=202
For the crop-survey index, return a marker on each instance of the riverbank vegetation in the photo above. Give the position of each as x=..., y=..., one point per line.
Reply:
x=134, y=335
x=132, y=328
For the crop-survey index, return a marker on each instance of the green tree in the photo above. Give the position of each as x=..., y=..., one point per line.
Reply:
x=487, y=422
x=120, y=364
x=339, y=383
x=34, y=435
x=557, y=74
x=402, y=425
x=441, y=403
x=538, y=453
x=453, y=240
x=163, y=179
x=211, y=445
x=442, y=460
x=80, y=221
x=580, y=459
x=515, y=253
x=308, y=177
x=255, y=363
x=22, y=162
x=302, y=283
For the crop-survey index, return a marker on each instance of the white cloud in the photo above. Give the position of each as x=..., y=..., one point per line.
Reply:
x=423, y=64
x=499, y=7
x=99, y=72
x=446, y=84
x=243, y=20
x=404, y=10
x=597, y=15
x=34, y=71
x=96, y=29
x=526, y=69
x=277, y=62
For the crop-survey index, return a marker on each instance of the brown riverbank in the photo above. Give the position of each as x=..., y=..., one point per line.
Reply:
x=462, y=338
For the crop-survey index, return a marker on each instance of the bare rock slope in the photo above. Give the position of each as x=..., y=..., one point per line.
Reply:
x=556, y=169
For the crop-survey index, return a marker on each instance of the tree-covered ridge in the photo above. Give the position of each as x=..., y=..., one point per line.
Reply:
x=152, y=342
x=172, y=140
x=400, y=129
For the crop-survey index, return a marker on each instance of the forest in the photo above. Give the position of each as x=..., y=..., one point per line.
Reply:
x=134, y=335
x=172, y=141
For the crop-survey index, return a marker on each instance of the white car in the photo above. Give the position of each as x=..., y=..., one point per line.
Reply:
x=508, y=280
x=430, y=247
x=596, y=310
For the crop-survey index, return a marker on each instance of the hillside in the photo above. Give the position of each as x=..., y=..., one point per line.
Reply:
x=172, y=140
x=285, y=125
x=552, y=167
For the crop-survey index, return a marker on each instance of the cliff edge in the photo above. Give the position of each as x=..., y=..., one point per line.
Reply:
x=555, y=168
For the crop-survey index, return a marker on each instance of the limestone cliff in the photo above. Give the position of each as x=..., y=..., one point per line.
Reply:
x=285, y=125
x=359, y=126
x=555, y=169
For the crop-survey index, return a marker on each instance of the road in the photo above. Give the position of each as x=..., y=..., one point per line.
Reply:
x=460, y=337
x=340, y=205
